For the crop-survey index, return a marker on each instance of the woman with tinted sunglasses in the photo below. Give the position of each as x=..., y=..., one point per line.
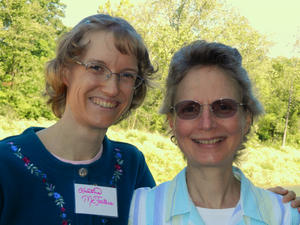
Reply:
x=210, y=108
x=71, y=173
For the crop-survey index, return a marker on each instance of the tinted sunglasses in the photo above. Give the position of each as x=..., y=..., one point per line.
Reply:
x=222, y=108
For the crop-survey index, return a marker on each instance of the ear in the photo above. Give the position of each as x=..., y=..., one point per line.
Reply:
x=248, y=122
x=171, y=120
x=66, y=76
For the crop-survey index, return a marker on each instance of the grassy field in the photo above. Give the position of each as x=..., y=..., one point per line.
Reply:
x=265, y=166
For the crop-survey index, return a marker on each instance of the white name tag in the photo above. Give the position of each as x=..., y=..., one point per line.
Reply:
x=96, y=200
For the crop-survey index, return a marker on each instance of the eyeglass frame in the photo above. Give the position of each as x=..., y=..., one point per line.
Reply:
x=109, y=75
x=173, y=108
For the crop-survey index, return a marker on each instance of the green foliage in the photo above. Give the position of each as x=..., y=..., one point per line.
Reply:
x=28, y=30
x=168, y=25
x=281, y=102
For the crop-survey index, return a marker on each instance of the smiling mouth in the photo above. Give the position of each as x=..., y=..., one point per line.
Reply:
x=104, y=104
x=208, y=141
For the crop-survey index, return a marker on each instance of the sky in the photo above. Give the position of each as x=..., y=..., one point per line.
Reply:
x=278, y=20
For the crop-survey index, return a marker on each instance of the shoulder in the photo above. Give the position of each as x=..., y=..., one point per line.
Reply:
x=283, y=211
x=132, y=161
x=26, y=135
x=119, y=144
x=161, y=188
x=263, y=200
x=126, y=148
x=7, y=142
x=12, y=155
x=150, y=205
x=146, y=196
x=13, y=144
x=254, y=194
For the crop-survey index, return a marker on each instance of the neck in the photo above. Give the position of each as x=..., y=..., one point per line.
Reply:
x=212, y=187
x=71, y=141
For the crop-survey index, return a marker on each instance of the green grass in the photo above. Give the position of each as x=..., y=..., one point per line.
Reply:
x=265, y=166
x=10, y=127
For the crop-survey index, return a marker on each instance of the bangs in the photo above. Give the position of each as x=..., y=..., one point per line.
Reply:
x=128, y=43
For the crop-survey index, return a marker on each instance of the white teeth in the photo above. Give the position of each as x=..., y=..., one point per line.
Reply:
x=104, y=104
x=207, y=142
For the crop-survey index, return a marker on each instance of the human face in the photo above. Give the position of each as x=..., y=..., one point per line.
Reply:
x=209, y=140
x=93, y=103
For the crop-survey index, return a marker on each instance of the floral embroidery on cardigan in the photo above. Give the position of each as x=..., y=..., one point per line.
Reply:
x=58, y=199
x=34, y=170
x=116, y=174
x=118, y=168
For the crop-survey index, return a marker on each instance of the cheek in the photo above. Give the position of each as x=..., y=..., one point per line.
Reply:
x=182, y=128
x=236, y=128
x=74, y=90
x=130, y=97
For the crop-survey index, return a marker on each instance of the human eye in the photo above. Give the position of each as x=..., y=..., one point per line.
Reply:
x=226, y=105
x=189, y=109
x=96, y=68
x=128, y=76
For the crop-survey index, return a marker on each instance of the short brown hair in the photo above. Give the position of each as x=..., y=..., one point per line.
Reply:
x=126, y=40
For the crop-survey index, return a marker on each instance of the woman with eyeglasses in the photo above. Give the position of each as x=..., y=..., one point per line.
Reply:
x=71, y=173
x=210, y=108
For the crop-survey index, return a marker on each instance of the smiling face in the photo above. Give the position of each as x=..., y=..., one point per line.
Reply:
x=208, y=140
x=90, y=102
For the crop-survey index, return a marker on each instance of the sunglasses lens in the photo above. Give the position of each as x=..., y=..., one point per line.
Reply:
x=187, y=110
x=224, y=108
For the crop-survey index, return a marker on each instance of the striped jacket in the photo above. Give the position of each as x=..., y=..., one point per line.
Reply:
x=170, y=204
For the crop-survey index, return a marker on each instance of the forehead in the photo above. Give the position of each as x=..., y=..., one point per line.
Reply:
x=206, y=84
x=101, y=45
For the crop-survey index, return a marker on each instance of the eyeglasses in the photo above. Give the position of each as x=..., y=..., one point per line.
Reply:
x=126, y=79
x=222, y=108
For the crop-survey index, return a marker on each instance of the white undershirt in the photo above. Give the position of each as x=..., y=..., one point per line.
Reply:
x=84, y=162
x=215, y=216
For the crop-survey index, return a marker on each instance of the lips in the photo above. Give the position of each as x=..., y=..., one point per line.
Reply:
x=103, y=103
x=208, y=141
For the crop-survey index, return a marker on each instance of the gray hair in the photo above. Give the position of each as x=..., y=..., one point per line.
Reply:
x=202, y=53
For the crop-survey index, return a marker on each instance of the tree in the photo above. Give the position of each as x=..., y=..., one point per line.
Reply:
x=283, y=104
x=167, y=25
x=28, y=30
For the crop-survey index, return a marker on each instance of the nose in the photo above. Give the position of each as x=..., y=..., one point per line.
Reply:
x=206, y=119
x=111, y=86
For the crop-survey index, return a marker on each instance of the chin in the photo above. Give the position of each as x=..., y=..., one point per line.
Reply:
x=210, y=162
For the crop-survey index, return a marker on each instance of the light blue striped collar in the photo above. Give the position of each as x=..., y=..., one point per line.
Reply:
x=182, y=203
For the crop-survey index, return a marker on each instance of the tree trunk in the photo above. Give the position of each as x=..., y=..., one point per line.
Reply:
x=134, y=120
x=287, y=115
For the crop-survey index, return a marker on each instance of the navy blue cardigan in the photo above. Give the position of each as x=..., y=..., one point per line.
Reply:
x=38, y=189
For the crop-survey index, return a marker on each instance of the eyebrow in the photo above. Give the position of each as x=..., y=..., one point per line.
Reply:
x=103, y=63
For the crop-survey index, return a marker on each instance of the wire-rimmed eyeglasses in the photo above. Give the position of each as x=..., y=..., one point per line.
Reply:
x=103, y=73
